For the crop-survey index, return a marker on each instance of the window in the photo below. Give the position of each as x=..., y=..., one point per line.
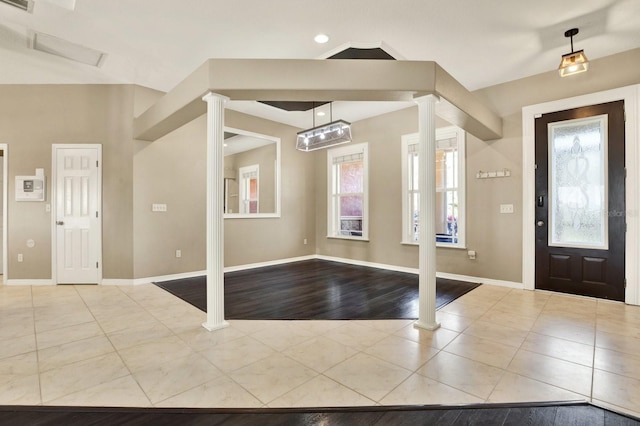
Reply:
x=249, y=188
x=347, y=183
x=450, y=185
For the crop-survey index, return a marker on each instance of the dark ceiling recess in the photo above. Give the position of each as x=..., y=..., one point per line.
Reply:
x=294, y=105
x=355, y=53
x=349, y=53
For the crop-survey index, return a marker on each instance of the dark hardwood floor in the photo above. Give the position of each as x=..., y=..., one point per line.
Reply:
x=554, y=413
x=317, y=289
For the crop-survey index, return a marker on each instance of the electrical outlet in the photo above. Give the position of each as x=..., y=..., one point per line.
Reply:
x=20, y=258
x=506, y=208
x=304, y=241
x=158, y=207
x=178, y=253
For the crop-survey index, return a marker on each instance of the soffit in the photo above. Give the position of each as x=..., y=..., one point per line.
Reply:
x=308, y=80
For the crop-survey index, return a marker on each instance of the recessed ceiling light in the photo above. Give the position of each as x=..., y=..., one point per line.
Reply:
x=320, y=114
x=321, y=38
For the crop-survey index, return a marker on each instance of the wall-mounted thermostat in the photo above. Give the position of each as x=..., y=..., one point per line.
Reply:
x=31, y=188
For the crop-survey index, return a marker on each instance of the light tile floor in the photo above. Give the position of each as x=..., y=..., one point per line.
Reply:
x=141, y=346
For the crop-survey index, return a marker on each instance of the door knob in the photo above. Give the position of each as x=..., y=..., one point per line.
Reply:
x=540, y=223
x=59, y=222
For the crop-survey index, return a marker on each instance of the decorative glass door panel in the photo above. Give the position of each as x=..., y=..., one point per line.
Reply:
x=578, y=189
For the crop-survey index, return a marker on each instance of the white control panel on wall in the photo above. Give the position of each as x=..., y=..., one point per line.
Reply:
x=158, y=207
x=31, y=188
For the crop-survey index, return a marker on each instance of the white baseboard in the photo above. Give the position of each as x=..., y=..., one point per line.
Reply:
x=501, y=283
x=116, y=281
x=29, y=282
x=248, y=266
x=369, y=264
x=268, y=263
x=180, y=276
x=445, y=275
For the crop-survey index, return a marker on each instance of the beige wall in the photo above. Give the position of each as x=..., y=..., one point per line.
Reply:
x=385, y=193
x=498, y=257
x=265, y=158
x=260, y=240
x=172, y=171
x=32, y=118
x=139, y=243
x=497, y=238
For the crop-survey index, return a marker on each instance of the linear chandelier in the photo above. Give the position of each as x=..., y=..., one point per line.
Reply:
x=574, y=62
x=331, y=134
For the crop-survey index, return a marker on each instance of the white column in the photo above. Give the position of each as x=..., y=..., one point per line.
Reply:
x=427, y=187
x=215, y=214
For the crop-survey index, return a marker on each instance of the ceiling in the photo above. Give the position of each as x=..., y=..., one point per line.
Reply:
x=157, y=43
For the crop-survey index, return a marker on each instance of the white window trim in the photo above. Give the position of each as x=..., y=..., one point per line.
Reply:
x=332, y=232
x=441, y=133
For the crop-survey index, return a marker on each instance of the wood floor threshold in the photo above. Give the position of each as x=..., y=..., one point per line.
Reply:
x=538, y=413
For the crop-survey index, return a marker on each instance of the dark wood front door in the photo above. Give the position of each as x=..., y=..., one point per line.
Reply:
x=580, y=201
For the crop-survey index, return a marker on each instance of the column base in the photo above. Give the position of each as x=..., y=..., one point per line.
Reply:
x=426, y=326
x=214, y=327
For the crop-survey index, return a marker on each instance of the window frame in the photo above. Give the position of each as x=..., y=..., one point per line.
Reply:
x=407, y=222
x=333, y=225
x=245, y=196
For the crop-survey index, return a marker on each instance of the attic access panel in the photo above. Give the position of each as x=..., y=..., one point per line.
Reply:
x=348, y=53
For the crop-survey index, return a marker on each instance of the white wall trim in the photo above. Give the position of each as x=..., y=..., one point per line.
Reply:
x=180, y=276
x=446, y=275
x=183, y=275
x=268, y=263
x=116, y=281
x=631, y=96
x=5, y=202
x=489, y=281
x=458, y=277
x=18, y=282
x=369, y=264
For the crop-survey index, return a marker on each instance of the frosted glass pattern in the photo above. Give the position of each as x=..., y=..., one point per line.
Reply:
x=578, y=183
x=351, y=197
x=352, y=177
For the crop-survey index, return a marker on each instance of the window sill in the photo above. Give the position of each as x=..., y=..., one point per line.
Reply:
x=440, y=245
x=366, y=240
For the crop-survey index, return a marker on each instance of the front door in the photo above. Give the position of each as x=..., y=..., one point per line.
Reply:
x=77, y=215
x=580, y=201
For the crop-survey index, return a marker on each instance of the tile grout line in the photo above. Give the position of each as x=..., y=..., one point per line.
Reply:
x=593, y=358
x=35, y=338
x=106, y=335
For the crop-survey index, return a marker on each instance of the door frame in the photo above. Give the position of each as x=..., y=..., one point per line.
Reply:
x=5, y=203
x=52, y=201
x=631, y=96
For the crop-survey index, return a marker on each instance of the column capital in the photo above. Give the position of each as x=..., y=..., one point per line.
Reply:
x=431, y=97
x=213, y=96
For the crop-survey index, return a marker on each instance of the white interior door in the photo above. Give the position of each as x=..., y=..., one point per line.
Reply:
x=77, y=215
